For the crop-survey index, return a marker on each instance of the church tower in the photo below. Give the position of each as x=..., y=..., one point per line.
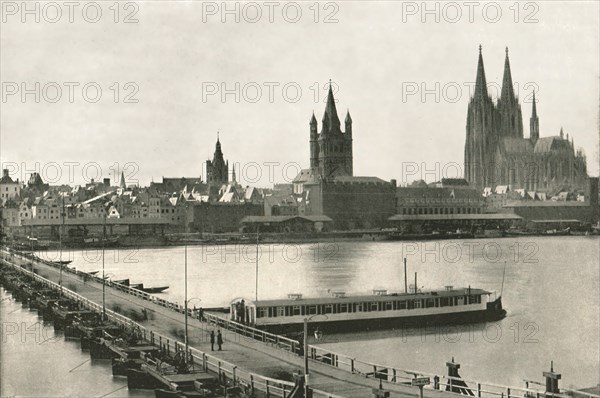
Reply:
x=511, y=121
x=482, y=138
x=534, y=124
x=217, y=170
x=331, y=149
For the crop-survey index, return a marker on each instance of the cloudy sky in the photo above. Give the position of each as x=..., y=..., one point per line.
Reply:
x=181, y=71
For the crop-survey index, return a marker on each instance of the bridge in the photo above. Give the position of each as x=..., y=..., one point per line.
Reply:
x=255, y=358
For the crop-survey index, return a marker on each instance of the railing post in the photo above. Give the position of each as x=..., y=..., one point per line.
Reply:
x=393, y=375
x=478, y=390
x=267, y=385
x=352, y=365
x=219, y=370
x=233, y=375
x=252, y=384
x=508, y=393
x=204, y=362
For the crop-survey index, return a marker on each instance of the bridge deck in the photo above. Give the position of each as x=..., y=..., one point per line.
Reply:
x=246, y=353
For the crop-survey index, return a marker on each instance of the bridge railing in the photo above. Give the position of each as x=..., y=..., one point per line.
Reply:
x=223, y=369
x=271, y=339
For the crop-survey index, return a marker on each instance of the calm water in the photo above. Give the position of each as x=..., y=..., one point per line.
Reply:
x=551, y=292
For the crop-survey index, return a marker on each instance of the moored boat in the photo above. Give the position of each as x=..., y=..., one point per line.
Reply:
x=381, y=310
x=156, y=289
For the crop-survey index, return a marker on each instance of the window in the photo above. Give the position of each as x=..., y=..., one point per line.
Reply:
x=263, y=312
x=312, y=309
x=296, y=310
x=388, y=306
x=402, y=305
x=373, y=307
x=343, y=308
x=429, y=303
x=328, y=309
x=418, y=304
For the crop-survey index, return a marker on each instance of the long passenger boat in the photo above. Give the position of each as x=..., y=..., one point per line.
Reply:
x=381, y=310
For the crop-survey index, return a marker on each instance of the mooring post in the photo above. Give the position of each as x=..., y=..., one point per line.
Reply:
x=452, y=372
x=380, y=392
x=552, y=379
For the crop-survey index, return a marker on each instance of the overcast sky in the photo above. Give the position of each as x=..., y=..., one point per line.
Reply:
x=377, y=53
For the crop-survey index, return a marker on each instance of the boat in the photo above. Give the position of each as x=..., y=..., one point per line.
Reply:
x=380, y=310
x=138, y=286
x=152, y=290
x=64, y=262
x=124, y=282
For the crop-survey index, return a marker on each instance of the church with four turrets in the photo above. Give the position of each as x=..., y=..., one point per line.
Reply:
x=329, y=187
x=496, y=153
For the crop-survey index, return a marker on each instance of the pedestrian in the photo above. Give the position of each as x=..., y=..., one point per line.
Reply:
x=219, y=339
x=212, y=340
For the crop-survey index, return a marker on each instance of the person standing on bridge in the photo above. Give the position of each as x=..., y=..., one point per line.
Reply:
x=219, y=339
x=212, y=340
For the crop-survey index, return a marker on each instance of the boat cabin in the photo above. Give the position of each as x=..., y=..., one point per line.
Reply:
x=339, y=306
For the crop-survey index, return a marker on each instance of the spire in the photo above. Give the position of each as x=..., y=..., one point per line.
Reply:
x=348, y=118
x=534, y=123
x=330, y=117
x=480, y=83
x=313, y=119
x=507, y=93
x=233, y=174
x=561, y=132
x=122, y=183
x=218, y=145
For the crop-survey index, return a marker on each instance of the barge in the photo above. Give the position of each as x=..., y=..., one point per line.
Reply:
x=381, y=310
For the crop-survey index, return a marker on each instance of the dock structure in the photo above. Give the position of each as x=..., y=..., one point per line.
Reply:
x=251, y=358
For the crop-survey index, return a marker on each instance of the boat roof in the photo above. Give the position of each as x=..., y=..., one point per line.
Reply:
x=363, y=298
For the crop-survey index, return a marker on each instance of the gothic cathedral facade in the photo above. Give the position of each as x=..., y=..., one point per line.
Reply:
x=496, y=153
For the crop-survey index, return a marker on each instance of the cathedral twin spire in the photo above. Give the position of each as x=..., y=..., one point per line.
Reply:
x=508, y=107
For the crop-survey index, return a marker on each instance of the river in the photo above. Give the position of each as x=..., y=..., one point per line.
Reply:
x=551, y=293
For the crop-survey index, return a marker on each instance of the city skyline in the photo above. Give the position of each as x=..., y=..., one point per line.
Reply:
x=172, y=130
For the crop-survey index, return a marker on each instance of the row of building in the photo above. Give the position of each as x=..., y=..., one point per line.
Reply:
x=329, y=196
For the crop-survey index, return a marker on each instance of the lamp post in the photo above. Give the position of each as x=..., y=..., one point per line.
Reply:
x=60, y=231
x=306, y=319
x=185, y=305
x=103, y=276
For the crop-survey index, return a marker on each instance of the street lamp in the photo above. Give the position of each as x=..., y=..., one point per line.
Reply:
x=103, y=276
x=306, y=319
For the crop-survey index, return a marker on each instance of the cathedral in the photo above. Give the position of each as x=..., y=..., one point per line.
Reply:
x=496, y=153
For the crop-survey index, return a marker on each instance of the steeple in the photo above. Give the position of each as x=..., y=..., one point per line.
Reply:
x=331, y=121
x=233, y=179
x=561, y=132
x=480, y=82
x=331, y=151
x=507, y=93
x=313, y=120
x=534, y=123
x=348, y=118
x=217, y=169
x=511, y=121
x=122, y=183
